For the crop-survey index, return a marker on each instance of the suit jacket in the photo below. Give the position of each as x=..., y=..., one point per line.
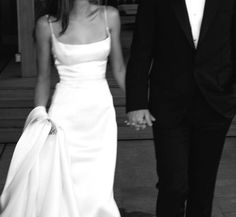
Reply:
x=165, y=68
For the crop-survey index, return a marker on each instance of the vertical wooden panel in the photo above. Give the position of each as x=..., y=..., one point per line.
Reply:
x=26, y=24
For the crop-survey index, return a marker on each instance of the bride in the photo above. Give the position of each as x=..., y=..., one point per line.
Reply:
x=64, y=162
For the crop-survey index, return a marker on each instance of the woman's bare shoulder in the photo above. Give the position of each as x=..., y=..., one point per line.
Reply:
x=43, y=22
x=42, y=26
x=113, y=16
x=112, y=12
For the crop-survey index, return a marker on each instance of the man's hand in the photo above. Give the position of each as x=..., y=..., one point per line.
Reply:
x=140, y=119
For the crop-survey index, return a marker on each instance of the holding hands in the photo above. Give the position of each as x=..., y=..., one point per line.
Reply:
x=140, y=119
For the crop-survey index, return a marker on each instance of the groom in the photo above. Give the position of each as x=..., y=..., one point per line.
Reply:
x=182, y=72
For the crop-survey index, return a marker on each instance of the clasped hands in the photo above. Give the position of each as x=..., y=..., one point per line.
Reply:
x=140, y=119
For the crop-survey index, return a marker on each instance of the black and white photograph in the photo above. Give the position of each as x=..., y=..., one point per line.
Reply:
x=118, y=108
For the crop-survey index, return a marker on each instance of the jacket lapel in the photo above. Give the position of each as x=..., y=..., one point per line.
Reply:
x=180, y=9
x=210, y=10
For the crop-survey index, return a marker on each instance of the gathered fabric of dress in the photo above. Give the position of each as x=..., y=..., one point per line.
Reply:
x=71, y=173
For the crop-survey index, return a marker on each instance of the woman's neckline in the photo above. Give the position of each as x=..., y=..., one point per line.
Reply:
x=84, y=44
x=57, y=40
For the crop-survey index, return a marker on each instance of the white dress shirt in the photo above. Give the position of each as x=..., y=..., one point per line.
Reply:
x=195, y=12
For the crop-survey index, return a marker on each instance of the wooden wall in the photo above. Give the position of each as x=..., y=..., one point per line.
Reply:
x=25, y=10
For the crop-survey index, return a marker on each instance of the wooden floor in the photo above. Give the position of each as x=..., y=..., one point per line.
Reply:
x=136, y=178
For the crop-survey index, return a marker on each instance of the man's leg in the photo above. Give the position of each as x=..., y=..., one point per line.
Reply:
x=172, y=168
x=205, y=152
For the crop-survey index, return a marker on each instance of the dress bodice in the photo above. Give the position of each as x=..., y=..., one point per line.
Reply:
x=81, y=62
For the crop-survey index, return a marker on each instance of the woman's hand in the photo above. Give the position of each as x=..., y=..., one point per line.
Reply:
x=53, y=130
x=140, y=119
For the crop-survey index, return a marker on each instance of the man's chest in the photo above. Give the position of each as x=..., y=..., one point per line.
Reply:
x=195, y=9
x=196, y=18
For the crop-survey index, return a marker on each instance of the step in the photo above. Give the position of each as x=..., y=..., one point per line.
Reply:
x=12, y=98
x=20, y=114
x=17, y=83
x=10, y=115
x=12, y=121
x=12, y=135
x=29, y=93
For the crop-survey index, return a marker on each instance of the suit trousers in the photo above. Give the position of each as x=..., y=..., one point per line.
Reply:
x=188, y=157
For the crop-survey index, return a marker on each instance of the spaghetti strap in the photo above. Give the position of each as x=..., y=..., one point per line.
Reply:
x=106, y=20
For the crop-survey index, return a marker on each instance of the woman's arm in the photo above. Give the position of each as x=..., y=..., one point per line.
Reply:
x=43, y=46
x=116, y=56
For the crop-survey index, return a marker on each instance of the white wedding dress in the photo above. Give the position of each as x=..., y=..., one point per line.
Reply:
x=71, y=173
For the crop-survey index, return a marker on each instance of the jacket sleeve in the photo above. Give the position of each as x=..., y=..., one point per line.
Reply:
x=137, y=77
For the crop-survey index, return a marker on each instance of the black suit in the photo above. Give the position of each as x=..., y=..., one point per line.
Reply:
x=191, y=92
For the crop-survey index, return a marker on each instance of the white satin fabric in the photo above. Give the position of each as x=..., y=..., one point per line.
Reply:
x=69, y=174
x=39, y=183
